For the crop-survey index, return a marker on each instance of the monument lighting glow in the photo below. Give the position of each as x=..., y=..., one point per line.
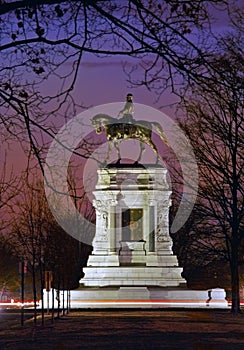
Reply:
x=75, y=131
x=132, y=262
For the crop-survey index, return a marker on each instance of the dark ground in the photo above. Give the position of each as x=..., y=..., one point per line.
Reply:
x=130, y=329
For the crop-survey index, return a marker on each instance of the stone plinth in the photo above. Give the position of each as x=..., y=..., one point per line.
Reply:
x=138, y=297
x=132, y=264
x=217, y=298
x=132, y=245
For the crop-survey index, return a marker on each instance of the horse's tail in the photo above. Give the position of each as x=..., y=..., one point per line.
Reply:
x=161, y=132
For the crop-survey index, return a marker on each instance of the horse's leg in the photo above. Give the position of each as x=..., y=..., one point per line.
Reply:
x=142, y=149
x=108, y=152
x=116, y=145
x=152, y=145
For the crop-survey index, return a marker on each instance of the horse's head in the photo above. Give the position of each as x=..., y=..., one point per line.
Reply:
x=97, y=124
x=99, y=121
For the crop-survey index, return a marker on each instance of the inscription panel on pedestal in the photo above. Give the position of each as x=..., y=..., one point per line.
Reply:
x=132, y=224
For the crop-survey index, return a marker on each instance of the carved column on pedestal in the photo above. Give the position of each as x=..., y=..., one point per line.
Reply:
x=101, y=244
x=163, y=240
x=104, y=239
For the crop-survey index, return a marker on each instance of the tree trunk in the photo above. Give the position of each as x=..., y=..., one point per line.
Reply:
x=235, y=283
x=58, y=297
x=42, y=296
x=34, y=292
x=52, y=304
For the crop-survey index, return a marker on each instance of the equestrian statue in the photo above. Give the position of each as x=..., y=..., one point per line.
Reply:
x=127, y=127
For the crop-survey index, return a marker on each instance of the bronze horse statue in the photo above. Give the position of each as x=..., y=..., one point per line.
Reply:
x=117, y=130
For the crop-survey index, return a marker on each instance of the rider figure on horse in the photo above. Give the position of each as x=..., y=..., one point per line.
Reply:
x=128, y=110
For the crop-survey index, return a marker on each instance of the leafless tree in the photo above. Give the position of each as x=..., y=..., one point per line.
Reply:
x=34, y=236
x=26, y=234
x=9, y=189
x=43, y=43
x=214, y=125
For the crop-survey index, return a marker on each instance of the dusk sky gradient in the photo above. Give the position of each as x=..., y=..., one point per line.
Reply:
x=102, y=80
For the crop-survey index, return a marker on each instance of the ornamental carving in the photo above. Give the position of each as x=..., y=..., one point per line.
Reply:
x=164, y=203
x=102, y=219
x=162, y=236
x=100, y=205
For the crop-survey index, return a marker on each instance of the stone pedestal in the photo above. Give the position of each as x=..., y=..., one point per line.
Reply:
x=132, y=245
x=132, y=264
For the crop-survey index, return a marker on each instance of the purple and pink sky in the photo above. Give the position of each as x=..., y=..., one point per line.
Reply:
x=101, y=81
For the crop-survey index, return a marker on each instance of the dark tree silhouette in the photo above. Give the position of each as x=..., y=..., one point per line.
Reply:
x=43, y=44
x=173, y=45
x=214, y=125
